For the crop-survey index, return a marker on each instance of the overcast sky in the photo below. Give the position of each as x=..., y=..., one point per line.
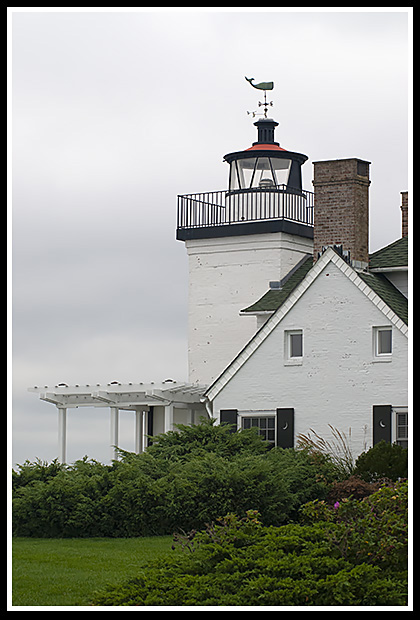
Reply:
x=114, y=113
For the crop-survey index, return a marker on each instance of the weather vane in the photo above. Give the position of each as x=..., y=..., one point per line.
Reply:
x=262, y=86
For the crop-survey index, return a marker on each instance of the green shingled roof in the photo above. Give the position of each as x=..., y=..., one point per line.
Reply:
x=273, y=299
x=393, y=255
x=387, y=292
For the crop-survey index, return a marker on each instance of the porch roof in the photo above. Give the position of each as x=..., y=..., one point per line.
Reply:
x=121, y=395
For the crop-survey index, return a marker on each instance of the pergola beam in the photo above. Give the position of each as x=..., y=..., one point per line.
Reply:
x=102, y=397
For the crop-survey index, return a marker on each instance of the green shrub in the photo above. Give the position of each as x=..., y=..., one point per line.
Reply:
x=239, y=562
x=185, y=480
x=65, y=505
x=384, y=460
x=199, y=439
x=29, y=473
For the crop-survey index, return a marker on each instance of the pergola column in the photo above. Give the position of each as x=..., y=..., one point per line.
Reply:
x=169, y=418
x=139, y=443
x=114, y=431
x=62, y=434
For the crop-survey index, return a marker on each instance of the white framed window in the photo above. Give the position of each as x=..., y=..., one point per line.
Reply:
x=382, y=343
x=293, y=346
x=264, y=423
x=401, y=426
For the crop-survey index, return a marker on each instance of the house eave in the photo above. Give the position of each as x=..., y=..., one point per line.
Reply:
x=257, y=313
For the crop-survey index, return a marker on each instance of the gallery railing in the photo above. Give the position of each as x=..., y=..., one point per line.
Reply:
x=231, y=207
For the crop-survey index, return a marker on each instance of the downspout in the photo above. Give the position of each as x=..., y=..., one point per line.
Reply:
x=207, y=405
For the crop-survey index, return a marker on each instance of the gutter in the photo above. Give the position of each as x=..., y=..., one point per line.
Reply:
x=387, y=269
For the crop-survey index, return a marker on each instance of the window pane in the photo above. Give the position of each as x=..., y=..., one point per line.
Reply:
x=263, y=173
x=233, y=177
x=402, y=426
x=281, y=168
x=246, y=171
x=265, y=425
x=296, y=349
x=384, y=341
x=402, y=429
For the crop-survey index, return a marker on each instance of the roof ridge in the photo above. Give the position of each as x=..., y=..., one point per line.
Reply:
x=389, y=245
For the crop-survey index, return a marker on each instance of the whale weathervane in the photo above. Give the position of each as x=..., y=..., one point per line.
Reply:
x=261, y=85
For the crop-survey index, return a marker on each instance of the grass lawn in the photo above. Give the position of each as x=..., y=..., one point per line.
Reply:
x=66, y=572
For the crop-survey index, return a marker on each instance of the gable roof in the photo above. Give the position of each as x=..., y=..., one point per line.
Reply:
x=376, y=287
x=274, y=298
x=393, y=255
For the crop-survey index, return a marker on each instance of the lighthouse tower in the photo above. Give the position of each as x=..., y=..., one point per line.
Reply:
x=240, y=241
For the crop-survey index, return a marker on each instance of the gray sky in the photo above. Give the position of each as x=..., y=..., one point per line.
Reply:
x=113, y=114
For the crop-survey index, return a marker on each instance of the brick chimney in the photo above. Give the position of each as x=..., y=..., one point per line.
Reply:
x=341, y=207
x=404, y=211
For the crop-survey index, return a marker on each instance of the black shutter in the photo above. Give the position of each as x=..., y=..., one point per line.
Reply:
x=229, y=416
x=285, y=428
x=381, y=423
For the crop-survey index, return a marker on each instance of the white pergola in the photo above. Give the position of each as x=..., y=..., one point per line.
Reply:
x=137, y=397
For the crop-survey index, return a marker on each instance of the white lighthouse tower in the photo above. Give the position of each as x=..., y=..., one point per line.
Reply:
x=239, y=242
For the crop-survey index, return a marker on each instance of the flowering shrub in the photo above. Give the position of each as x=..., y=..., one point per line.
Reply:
x=373, y=530
x=352, y=487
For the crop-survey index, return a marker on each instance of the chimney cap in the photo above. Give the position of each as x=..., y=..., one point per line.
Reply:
x=342, y=159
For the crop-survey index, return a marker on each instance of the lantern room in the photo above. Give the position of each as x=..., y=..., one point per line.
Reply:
x=265, y=165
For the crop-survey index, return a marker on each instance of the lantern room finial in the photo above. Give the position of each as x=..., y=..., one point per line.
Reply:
x=262, y=86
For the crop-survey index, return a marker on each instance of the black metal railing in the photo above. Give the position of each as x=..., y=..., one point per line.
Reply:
x=253, y=205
